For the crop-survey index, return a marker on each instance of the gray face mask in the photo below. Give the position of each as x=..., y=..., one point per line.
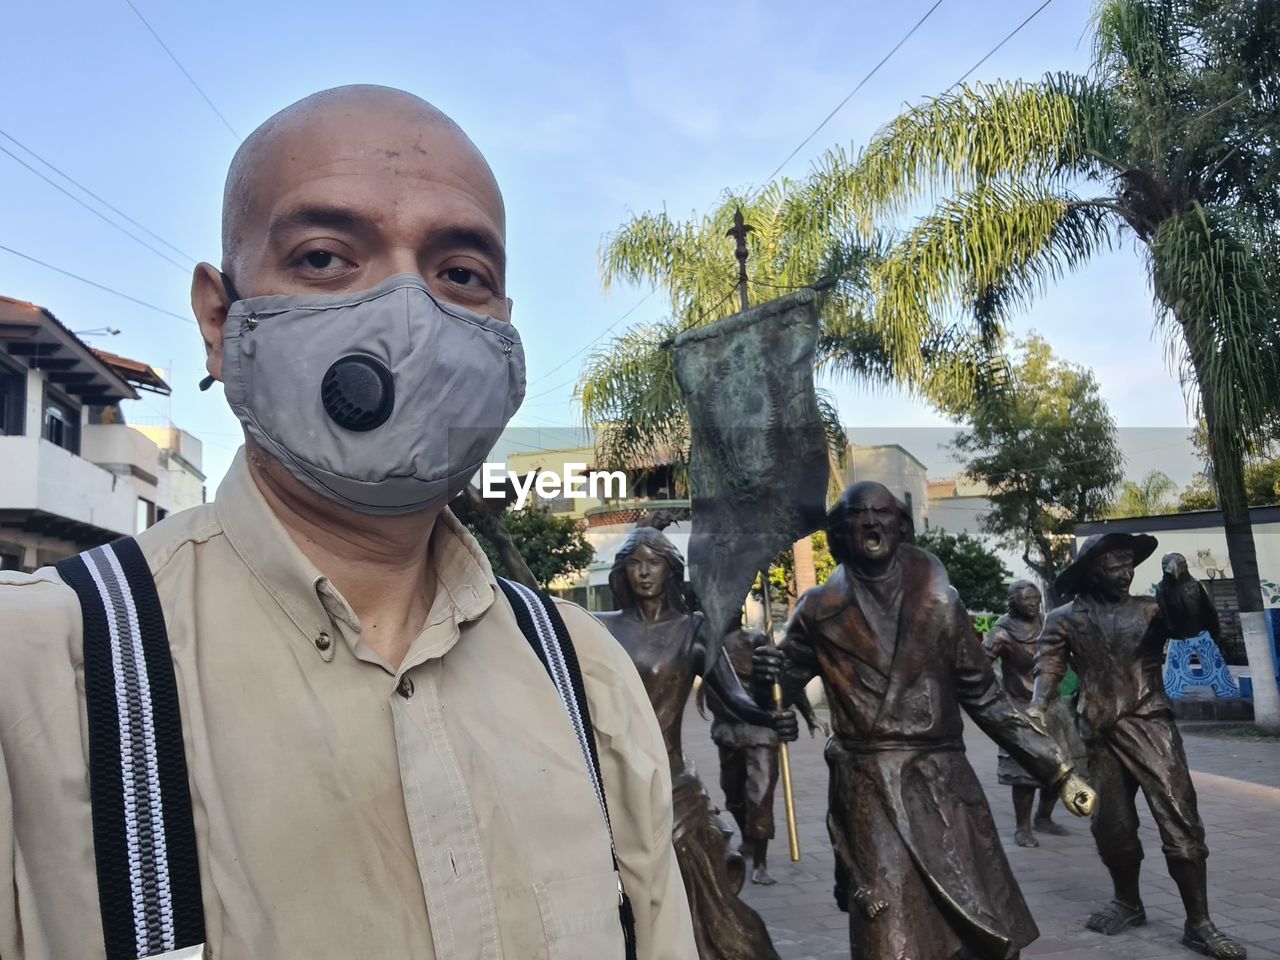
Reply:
x=385, y=401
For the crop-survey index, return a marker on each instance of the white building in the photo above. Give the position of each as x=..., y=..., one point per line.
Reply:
x=957, y=505
x=72, y=473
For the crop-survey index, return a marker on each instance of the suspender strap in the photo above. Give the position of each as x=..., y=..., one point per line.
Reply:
x=543, y=627
x=144, y=839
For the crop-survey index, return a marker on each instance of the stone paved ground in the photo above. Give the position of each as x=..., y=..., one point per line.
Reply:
x=1063, y=880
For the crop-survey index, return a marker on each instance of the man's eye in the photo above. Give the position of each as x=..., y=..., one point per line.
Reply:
x=461, y=276
x=319, y=259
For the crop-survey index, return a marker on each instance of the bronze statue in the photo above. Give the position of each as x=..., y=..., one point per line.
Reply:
x=668, y=645
x=1115, y=642
x=1014, y=641
x=749, y=753
x=917, y=851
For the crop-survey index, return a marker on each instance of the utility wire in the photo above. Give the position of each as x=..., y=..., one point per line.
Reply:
x=97, y=213
x=93, y=283
x=116, y=210
x=597, y=339
x=861, y=83
x=178, y=64
x=1013, y=33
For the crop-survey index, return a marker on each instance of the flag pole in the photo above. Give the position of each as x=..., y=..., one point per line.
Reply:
x=739, y=232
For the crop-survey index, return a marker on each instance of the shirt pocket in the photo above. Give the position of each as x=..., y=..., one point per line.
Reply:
x=580, y=918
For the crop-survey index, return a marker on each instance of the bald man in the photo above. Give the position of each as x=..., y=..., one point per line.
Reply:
x=378, y=764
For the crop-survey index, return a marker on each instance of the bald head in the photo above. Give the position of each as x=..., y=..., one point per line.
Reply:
x=359, y=116
x=347, y=188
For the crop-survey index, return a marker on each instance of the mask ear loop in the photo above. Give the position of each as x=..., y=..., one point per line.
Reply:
x=208, y=381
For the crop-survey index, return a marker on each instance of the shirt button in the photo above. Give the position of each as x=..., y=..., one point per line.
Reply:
x=406, y=687
x=323, y=642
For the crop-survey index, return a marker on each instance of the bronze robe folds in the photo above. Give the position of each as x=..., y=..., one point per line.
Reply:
x=907, y=815
x=664, y=652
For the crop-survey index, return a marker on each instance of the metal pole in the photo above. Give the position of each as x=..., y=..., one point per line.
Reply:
x=739, y=233
x=784, y=752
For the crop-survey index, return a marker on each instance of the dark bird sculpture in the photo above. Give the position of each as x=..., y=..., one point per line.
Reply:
x=1184, y=601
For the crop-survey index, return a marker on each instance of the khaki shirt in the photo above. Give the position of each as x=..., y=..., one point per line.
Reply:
x=344, y=809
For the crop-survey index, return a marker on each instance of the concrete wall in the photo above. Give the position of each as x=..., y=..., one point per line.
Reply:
x=37, y=475
x=181, y=459
x=896, y=469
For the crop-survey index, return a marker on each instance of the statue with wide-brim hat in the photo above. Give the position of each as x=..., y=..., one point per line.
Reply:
x=1139, y=545
x=1116, y=643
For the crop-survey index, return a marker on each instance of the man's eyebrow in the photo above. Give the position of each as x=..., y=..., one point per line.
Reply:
x=341, y=218
x=477, y=239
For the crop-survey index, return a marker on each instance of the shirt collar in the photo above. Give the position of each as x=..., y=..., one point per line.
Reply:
x=463, y=574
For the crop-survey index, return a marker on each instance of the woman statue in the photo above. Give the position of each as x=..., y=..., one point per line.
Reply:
x=666, y=642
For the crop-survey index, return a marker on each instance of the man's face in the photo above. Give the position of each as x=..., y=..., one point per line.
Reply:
x=646, y=573
x=350, y=194
x=1114, y=574
x=875, y=529
x=1026, y=603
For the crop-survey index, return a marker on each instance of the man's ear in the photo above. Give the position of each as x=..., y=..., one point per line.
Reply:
x=210, y=302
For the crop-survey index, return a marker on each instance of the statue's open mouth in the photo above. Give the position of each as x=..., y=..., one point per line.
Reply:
x=872, y=541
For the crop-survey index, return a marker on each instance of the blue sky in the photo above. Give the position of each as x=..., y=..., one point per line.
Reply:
x=587, y=112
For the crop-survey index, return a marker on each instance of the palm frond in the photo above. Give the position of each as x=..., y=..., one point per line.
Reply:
x=628, y=393
x=1214, y=285
x=985, y=133
x=985, y=253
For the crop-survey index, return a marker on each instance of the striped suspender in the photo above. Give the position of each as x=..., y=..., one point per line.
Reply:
x=144, y=839
x=542, y=626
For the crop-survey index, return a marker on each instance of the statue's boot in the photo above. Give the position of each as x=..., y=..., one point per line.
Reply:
x=1212, y=942
x=1044, y=822
x=1117, y=916
x=1023, y=837
x=1051, y=827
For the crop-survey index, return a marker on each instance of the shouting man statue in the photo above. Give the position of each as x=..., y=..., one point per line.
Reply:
x=1115, y=642
x=919, y=864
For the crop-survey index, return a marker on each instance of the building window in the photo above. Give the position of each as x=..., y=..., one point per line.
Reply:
x=146, y=515
x=13, y=401
x=61, y=424
x=906, y=498
x=10, y=556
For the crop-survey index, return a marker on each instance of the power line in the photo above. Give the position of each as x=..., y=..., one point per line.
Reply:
x=178, y=64
x=97, y=213
x=990, y=53
x=116, y=210
x=597, y=339
x=94, y=283
x=861, y=83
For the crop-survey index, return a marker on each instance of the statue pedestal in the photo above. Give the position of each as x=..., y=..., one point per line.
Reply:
x=1197, y=662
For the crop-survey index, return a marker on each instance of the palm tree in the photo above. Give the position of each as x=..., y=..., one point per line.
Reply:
x=1172, y=138
x=628, y=390
x=1153, y=495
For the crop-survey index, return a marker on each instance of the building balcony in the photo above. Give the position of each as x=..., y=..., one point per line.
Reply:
x=46, y=489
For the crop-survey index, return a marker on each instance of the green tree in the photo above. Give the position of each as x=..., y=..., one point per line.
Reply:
x=1176, y=133
x=979, y=576
x=1045, y=447
x=782, y=572
x=1153, y=495
x=552, y=545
